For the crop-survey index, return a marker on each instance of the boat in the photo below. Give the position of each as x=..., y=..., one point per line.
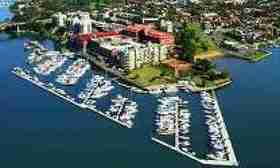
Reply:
x=184, y=137
x=74, y=72
x=185, y=143
x=184, y=149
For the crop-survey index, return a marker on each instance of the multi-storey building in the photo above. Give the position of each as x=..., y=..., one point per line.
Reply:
x=128, y=53
x=146, y=33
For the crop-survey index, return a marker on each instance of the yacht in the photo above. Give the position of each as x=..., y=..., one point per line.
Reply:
x=185, y=143
x=184, y=149
x=184, y=137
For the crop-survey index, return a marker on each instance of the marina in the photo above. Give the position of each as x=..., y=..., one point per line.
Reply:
x=173, y=116
x=123, y=110
x=52, y=61
x=219, y=128
x=74, y=72
x=60, y=93
x=178, y=126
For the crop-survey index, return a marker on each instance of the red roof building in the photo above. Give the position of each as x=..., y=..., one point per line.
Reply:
x=139, y=27
x=88, y=37
x=151, y=34
x=161, y=37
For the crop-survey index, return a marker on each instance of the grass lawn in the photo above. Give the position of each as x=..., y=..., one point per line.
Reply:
x=257, y=55
x=152, y=75
x=210, y=55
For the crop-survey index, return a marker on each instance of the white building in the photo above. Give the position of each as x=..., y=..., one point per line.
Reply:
x=85, y=23
x=236, y=1
x=166, y=25
x=82, y=20
x=129, y=53
x=60, y=19
x=186, y=2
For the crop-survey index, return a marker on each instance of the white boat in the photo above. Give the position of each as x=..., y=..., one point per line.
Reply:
x=184, y=149
x=184, y=137
x=185, y=143
x=185, y=131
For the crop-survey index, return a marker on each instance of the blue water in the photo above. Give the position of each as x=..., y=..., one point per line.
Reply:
x=40, y=130
x=4, y=14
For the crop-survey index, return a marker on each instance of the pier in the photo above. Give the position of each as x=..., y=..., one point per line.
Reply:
x=83, y=106
x=232, y=157
x=232, y=160
x=177, y=125
x=50, y=90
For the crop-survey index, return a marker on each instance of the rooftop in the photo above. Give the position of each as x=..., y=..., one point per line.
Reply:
x=119, y=42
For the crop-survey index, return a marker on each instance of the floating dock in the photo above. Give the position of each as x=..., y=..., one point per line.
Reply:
x=232, y=156
x=232, y=161
x=83, y=106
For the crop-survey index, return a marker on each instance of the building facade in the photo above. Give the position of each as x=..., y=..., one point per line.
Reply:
x=128, y=53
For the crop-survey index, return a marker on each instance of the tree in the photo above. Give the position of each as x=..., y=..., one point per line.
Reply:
x=204, y=65
x=194, y=41
x=190, y=35
x=277, y=23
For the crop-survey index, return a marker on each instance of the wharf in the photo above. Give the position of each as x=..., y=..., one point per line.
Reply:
x=109, y=117
x=83, y=106
x=176, y=149
x=121, y=108
x=232, y=161
x=177, y=125
x=50, y=90
x=232, y=157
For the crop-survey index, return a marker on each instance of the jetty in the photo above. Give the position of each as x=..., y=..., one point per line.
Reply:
x=71, y=100
x=232, y=160
x=228, y=143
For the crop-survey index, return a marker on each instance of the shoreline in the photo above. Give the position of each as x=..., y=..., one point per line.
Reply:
x=250, y=59
x=189, y=86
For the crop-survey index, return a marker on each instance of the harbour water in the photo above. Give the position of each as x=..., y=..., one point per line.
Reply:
x=41, y=130
x=4, y=14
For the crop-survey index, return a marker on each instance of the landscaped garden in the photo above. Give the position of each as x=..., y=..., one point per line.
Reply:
x=150, y=75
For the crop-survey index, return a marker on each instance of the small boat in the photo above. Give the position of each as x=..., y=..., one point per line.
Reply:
x=184, y=137
x=185, y=143
x=184, y=149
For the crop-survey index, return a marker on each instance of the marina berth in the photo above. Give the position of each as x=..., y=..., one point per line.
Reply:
x=49, y=86
x=220, y=151
x=74, y=72
x=166, y=115
x=32, y=45
x=51, y=61
x=69, y=54
x=96, y=88
x=87, y=104
x=219, y=142
x=123, y=110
